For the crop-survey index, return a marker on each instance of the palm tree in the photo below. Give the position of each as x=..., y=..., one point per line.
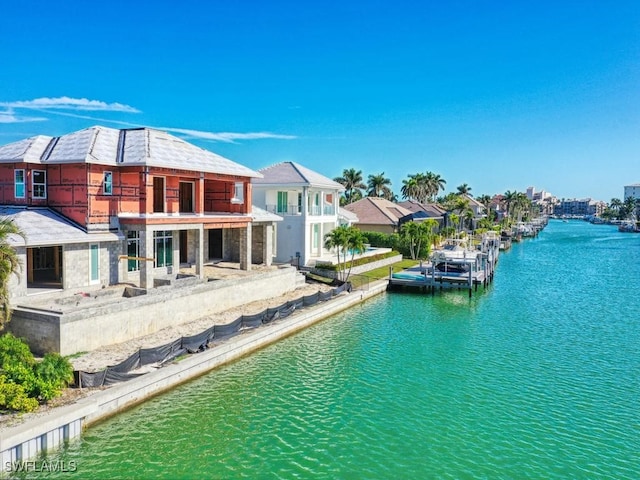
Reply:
x=345, y=239
x=9, y=265
x=355, y=244
x=415, y=234
x=379, y=186
x=434, y=183
x=628, y=209
x=464, y=189
x=338, y=238
x=351, y=179
x=412, y=188
x=509, y=199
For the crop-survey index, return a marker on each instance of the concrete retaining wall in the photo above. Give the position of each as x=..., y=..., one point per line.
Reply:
x=114, y=321
x=65, y=423
x=360, y=268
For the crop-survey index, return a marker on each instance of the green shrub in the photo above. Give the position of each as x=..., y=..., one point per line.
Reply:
x=25, y=381
x=56, y=373
x=14, y=397
x=382, y=240
x=14, y=351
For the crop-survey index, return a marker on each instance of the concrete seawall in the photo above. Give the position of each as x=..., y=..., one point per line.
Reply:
x=50, y=430
x=58, y=327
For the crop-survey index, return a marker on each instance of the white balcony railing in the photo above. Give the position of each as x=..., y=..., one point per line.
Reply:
x=284, y=209
x=297, y=210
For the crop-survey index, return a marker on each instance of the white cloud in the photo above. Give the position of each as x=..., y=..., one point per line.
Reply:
x=55, y=105
x=8, y=116
x=228, y=137
x=69, y=103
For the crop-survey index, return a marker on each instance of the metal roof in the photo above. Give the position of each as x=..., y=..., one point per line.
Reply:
x=260, y=215
x=126, y=147
x=44, y=227
x=291, y=173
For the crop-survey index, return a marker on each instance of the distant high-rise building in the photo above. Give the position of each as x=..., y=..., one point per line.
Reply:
x=632, y=191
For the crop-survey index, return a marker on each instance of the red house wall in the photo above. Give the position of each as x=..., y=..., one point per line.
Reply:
x=77, y=190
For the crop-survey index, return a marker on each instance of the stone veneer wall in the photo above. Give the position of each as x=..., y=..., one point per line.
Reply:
x=90, y=327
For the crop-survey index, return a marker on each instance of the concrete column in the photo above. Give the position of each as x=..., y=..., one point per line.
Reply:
x=245, y=248
x=123, y=264
x=200, y=251
x=175, y=242
x=146, y=251
x=267, y=244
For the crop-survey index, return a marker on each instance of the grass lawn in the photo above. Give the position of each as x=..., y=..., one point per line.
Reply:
x=383, y=272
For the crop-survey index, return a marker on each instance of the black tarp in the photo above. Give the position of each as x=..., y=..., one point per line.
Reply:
x=199, y=342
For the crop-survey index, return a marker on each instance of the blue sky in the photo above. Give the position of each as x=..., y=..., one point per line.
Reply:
x=498, y=95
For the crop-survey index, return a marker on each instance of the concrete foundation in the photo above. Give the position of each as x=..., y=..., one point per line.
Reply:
x=87, y=321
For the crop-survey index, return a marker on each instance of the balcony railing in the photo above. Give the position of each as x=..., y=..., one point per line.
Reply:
x=322, y=210
x=284, y=209
x=297, y=210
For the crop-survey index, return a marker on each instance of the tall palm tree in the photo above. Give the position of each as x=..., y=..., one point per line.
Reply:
x=417, y=187
x=9, y=265
x=410, y=189
x=338, y=238
x=464, y=189
x=434, y=183
x=345, y=239
x=379, y=186
x=509, y=199
x=628, y=209
x=351, y=180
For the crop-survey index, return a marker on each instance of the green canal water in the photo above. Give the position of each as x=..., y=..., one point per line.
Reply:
x=538, y=377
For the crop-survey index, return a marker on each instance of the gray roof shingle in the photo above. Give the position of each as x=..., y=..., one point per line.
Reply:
x=294, y=174
x=377, y=211
x=44, y=227
x=128, y=147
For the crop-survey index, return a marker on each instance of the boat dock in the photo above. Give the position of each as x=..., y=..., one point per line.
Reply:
x=457, y=265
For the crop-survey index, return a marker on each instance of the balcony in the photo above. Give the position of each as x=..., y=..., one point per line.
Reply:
x=284, y=210
x=316, y=210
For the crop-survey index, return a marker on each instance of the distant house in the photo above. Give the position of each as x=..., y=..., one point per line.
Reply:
x=478, y=208
x=102, y=206
x=423, y=211
x=309, y=204
x=377, y=214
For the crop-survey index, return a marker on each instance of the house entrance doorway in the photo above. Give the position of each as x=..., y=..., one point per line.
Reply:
x=184, y=246
x=44, y=266
x=215, y=243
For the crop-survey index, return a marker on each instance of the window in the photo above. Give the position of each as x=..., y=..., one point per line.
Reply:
x=107, y=183
x=163, y=248
x=185, y=202
x=39, y=183
x=133, y=250
x=238, y=193
x=94, y=264
x=158, y=194
x=300, y=202
x=283, y=199
x=19, y=183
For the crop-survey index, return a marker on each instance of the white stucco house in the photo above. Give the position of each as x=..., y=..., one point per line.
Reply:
x=309, y=204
